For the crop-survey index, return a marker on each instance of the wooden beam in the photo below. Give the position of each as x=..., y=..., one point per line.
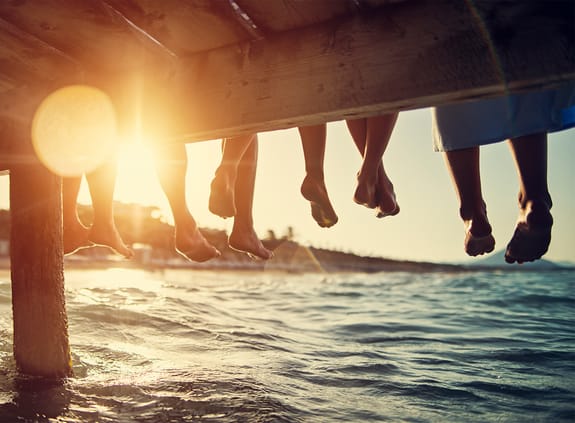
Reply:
x=408, y=55
x=25, y=60
x=90, y=32
x=276, y=16
x=184, y=27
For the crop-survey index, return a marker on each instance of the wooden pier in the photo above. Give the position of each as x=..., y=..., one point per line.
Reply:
x=193, y=70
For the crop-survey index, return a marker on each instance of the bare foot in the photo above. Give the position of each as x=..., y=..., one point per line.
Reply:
x=532, y=234
x=385, y=197
x=222, y=200
x=365, y=191
x=478, y=237
x=108, y=236
x=245, y=240
x=321, y=208
x=191, y=244
x=75, y=237
x=478, y=245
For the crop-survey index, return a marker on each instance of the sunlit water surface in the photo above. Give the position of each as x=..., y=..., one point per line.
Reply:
x=180, y=346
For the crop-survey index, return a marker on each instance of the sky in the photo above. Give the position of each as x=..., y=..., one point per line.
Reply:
x=428, y=227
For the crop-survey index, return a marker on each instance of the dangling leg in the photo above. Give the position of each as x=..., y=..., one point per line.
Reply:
x=463, y=166
x=243, y=237
x=171, y=166
x=313, y=189
x=379, y=130
x=75, y=233
x=358, y=130
x=102, y=182
x=222, y=201
x=533, y=231
x=374, y=188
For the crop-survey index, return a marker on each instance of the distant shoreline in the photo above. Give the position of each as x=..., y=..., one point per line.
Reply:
x=292, y=259
x=276, y=264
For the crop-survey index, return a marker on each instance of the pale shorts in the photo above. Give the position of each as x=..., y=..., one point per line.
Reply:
x=480, y=122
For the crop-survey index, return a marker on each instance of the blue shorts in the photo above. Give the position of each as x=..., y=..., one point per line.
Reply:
x=479, y=122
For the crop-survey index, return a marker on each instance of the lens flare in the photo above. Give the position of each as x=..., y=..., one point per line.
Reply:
x=74, y=130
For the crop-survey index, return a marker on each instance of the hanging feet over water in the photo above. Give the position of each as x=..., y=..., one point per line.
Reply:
x=385, y=197
x=191, y=244
x=75, y=237
x=476, y=245
x=106, y=235
x=532, y=235
x=321, y=209
x=377, y=194
x=244, y=239
x=478, y=237
x=222, y=195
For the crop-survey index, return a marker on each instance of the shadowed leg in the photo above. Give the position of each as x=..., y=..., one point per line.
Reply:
x=532, y=234
x=313, y=189
x=222, y=196
x=374, y=188
x=75, y=234
x=103, y=232
x=463, y=166
x=243, y=236
x=171, y=166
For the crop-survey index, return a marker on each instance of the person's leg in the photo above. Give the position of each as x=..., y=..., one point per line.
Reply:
x=379, y=130
x=358, y=131
x=243, y=236
x=313, y=189
x=374, y=188
x=222, y=202
x=171, y=166
x=75, y=234
x=463, y=165
x=102, y=182
x=533, y=231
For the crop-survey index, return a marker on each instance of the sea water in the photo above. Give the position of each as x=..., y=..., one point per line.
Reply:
x=181, y=345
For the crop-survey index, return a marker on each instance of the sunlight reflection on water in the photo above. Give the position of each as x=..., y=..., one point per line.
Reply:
x=257, y=346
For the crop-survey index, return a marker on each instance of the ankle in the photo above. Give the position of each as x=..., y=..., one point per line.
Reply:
x=314, y=173
x=227, y=172
x=476, y=221
x=543, y=199
x=242, y=225
x=467, y=213
x=184, y=224
x=103, y=222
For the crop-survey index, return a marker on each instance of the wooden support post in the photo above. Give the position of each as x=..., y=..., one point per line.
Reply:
x=41, y=346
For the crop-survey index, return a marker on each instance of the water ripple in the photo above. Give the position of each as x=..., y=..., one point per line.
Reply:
x=181, y=346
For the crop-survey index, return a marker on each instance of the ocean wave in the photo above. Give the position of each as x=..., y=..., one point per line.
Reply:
x=186, y=346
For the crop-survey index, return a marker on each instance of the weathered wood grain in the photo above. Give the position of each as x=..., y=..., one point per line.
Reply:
x=41, y=345
x=88, y=31
x=26, y=60
x=184, y=27
x=341, y=64
x=409, y=55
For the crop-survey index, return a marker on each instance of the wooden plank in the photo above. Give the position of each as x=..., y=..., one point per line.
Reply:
x=23, y=59
x=284, y=15
x=184, y=27
x=88, y=31
x=410, y=55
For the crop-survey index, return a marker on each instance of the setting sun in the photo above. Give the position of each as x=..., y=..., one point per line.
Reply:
x=137, y=181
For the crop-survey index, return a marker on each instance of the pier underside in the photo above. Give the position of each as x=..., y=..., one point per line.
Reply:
x=184, y=71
